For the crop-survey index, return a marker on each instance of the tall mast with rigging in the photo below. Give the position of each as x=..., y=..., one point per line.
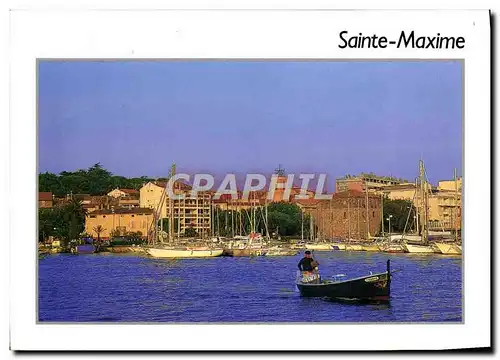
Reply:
x=456, y=205
x=171, y=228
x=423, y=189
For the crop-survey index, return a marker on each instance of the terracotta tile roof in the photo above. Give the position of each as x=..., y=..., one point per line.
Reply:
x=400, y=187
x=129, y=191
x=353, y=193
x=122, y=211
x=178, y=185
x=44, y=196
x=308, y=202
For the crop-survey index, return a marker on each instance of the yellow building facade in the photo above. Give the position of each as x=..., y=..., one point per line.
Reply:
x=443, y=206
x=449, y=185
x=187, y=213
x=120, y=220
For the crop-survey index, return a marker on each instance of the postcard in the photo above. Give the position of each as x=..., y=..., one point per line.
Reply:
x=230, y=180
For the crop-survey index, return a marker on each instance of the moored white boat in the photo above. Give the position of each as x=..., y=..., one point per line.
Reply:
x=177, y=253
x=447, y=248
x=393, y=248
x=418, y=249
x=319, y=247
x=354, y=247
x=370, y=247
x=281, y=252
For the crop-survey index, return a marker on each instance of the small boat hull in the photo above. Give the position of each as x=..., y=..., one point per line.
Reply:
x=183, y=253
x=370, y=247
x=248, y=252
x=85, y=249
x=354, y=247
x=447, y=248
x=394, y=249
x=319, y=247
x=374, y=287
x=418, y=249
x=281, y=253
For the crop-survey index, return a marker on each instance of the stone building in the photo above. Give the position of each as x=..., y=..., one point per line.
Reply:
x=363, y=181
x=345, y=216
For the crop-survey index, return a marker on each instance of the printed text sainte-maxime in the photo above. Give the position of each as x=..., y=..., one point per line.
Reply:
x=405, y=40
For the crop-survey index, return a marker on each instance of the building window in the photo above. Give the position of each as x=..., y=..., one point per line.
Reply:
x=373, y=214
x=92, y=216
x=104, y=216
x=345, y=215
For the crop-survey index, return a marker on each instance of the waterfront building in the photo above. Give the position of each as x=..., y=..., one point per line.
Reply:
x=361, y=182
x=443, y=205
x=261, y=197
x=123, y=193
x=449, y=185
x=119, y=220
x=45, y=200
x=187, y=212
x=349, y=214
x=128, y=198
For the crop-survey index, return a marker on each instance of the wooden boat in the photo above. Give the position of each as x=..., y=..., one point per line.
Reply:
x=182, y=253
x=338, y=247
x=85, y=249
x=248, y=252
x=354, y=247
x=418, y=249
x=373, y=287
x=447, y=248
x=319, y=247
x=281, y=252
x=393, y=248
x=370, y=247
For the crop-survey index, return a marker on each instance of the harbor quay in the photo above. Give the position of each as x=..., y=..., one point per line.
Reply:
x=171, y=218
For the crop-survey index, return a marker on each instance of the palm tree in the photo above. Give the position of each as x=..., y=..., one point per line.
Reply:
x=98, y=230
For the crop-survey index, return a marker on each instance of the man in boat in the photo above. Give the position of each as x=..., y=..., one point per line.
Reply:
x=308, y=266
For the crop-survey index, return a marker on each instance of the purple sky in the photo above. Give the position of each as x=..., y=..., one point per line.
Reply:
x=135, y=118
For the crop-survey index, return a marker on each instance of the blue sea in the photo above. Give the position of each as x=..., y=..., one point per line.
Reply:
x=134, y=288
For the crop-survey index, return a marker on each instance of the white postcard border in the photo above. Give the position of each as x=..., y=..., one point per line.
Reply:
x=224, y=34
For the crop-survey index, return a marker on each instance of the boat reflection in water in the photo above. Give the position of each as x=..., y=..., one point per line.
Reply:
x=372, y=287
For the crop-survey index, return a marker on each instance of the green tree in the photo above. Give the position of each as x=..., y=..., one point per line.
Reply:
x=401, y=211
x=190, y=232
x=63, y=222
x=99, y=229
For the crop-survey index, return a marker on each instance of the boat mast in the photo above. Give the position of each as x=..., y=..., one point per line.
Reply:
x=417, y=207
x=358, y=233
x=348, y=218
x=302, y=220
x=423, y=186
x=171, y=228
x=311, y=227
x=267, y=227
x=232, y=222
x=367, y=217
x=382, y=210
x=456, y=205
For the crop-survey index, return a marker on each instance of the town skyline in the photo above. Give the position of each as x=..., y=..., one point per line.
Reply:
x=241, y=117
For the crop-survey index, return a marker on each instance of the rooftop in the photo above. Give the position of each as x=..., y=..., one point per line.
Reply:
x=44, y=196
x=122, y=211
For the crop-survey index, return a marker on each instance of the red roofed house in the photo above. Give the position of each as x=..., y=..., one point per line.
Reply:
x=45, y=200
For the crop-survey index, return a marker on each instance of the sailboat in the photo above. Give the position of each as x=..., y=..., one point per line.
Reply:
x=451, y=248
x=422, y=246
x=175, y=252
